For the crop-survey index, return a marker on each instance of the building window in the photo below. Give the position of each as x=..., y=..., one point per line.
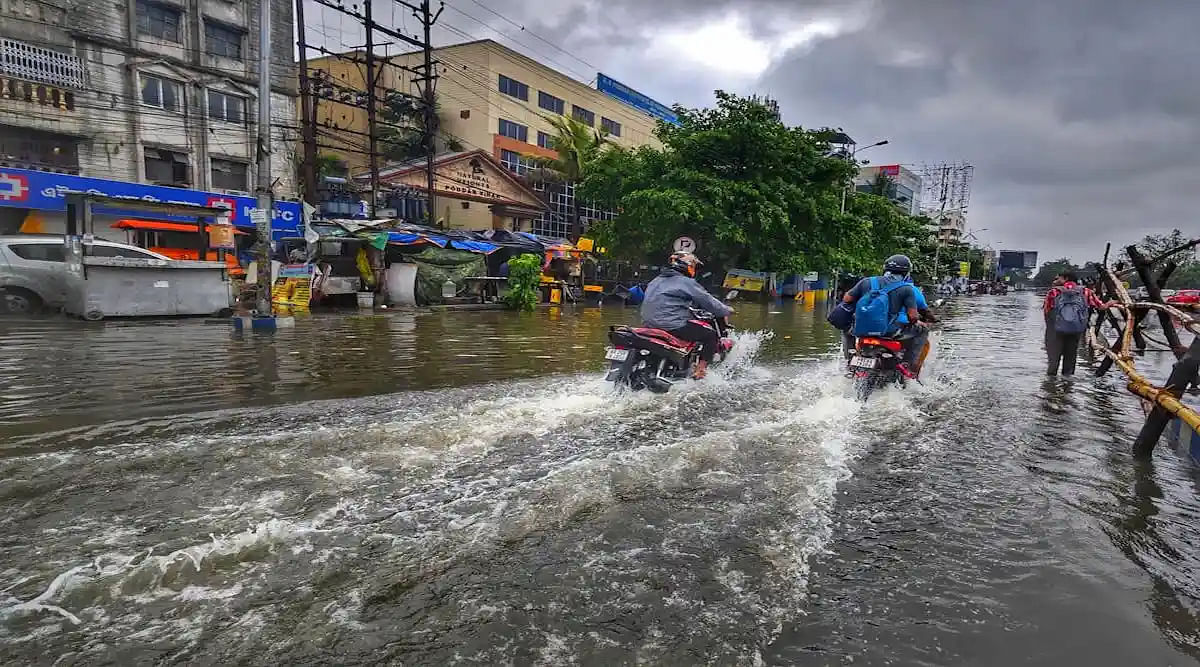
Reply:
x=220, y=40
x=583, y=115
x=228, y=175
x=556, y=222
x=612, y=126
x=161, y=93
x=514, y=88
x=517, y=163
x=514, y=130
x=223, y=106
x=26, y=148
x=550, y=102
x=545, y=140
x=165, y=167
x=161, y=21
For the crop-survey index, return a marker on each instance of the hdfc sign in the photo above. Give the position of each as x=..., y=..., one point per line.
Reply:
x=13, y=187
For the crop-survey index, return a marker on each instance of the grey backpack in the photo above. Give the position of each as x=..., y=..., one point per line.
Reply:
x=1070, y=311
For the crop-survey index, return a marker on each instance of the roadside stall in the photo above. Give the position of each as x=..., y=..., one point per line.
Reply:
x=107, y=286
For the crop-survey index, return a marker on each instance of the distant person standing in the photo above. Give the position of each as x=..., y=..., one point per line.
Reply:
x=1066, y=309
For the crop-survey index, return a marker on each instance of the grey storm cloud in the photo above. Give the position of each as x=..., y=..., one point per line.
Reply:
x=1080, y=116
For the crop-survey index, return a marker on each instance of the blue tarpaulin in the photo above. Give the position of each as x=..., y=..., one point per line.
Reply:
x=406, y=238
x=474, y=246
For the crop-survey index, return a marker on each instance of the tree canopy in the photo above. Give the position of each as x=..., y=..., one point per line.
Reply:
x=751, y=191
x=1049, y=270
x=1187, y=271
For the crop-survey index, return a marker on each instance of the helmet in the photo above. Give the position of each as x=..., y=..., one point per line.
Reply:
x=685, y=263
x=898, y=264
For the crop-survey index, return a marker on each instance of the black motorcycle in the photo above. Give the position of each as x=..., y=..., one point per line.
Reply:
x=645, y=358
x=875, y=363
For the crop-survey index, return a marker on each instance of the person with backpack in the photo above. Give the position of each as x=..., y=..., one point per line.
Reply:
x=889, y=306
x=1067, y=309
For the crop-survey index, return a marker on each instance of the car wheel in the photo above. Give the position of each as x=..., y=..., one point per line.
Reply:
x=19, y=301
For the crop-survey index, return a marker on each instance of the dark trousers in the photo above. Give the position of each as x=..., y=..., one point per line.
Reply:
x=914, y=345
x=1064, y=347
x=698, y=333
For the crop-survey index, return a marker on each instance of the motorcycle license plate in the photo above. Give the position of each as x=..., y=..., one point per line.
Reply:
x=614, y=354
x=864, y=362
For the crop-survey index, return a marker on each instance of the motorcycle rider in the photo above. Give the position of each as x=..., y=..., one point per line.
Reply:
x=905, y=303
x=668, y=302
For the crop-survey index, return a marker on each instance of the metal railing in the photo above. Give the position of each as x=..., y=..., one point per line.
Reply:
x=34, y=63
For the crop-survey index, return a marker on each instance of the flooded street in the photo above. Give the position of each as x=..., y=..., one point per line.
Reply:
x=446, y=488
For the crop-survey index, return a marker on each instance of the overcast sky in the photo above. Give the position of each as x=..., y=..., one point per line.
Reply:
x=1080, y=116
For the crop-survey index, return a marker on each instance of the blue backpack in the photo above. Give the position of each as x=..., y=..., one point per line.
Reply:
x=872, y=316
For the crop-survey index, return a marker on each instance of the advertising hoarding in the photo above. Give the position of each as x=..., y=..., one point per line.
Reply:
x=633, y=98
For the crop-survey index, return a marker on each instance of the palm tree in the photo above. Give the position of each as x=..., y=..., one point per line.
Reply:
x=577, y=145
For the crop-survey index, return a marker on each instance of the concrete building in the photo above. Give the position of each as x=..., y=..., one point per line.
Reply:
x=903, y=188
x=493, y=99
x=157, y=92
x=950, y=225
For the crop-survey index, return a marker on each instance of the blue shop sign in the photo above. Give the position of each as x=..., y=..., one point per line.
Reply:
x=46, y=191
x=633, y=98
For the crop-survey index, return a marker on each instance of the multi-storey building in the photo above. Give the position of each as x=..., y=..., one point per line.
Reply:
x=495, y=100
x=903, y=185
x=153, y=92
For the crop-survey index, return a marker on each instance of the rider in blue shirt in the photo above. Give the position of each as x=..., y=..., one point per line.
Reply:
x=905, y=304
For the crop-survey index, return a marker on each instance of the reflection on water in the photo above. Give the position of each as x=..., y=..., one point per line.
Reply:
x=467, y=490
x=61, y=372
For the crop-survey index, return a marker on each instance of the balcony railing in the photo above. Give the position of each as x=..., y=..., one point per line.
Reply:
x=36, y=93
x=34, y=63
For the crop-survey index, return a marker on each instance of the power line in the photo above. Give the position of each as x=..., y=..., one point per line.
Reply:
x=539, y=37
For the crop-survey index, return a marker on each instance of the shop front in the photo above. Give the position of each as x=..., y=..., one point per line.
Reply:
x=35, y=202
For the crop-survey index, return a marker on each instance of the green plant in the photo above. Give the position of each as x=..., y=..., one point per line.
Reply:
x=524, y=276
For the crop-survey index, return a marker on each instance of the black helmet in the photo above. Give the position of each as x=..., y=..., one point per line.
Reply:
x=685, y=263
x=898, y=264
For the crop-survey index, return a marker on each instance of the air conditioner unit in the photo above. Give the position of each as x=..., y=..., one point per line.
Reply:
x=235, y=193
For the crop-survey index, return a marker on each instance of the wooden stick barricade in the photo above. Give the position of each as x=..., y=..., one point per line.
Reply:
x=1164, y=401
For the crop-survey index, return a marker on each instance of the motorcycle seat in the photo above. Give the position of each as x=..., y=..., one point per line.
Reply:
x=664, y=337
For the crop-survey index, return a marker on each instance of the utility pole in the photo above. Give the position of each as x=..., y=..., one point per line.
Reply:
x=308, y=113
x=263, y=159
x=422, y=74
x=430, y=110
x=372, y=130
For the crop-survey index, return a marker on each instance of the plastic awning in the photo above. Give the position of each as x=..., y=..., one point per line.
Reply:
x=158, y=226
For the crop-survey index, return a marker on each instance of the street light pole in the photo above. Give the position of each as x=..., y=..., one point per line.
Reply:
x=852, y=154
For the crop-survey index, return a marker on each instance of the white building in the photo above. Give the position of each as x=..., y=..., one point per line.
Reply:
x=950, y=225
x=160, y=92
x=903, y=185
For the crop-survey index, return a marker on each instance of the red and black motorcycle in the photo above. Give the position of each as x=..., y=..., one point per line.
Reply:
x=874, y=361
x=644, y=358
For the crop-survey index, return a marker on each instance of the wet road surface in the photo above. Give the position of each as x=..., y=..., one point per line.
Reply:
x=460, y=488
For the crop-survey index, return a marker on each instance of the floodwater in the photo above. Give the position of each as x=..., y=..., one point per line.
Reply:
x=460, y=488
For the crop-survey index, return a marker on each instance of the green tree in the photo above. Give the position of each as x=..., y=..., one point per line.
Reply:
x=577, y=145
x=402, y=129
x=330, y=165
x=883, y=185
x=1046, y=273
x=753, y=192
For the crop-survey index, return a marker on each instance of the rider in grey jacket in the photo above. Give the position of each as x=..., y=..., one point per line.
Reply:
x=668, y=301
